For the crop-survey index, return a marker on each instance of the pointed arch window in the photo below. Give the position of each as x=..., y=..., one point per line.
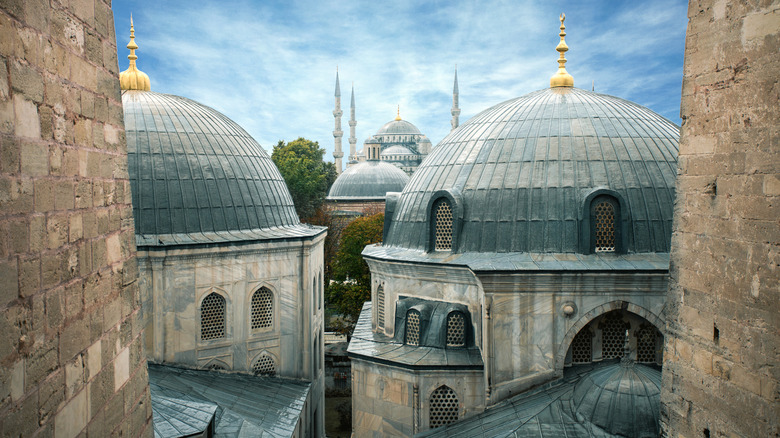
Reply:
x=413, y=327
x=212, y=317
x=262, y=308
x=582, y=347
x=605, y=220
x=442, y=217
x=264, y=365
x=444, y=407
x=456, y=330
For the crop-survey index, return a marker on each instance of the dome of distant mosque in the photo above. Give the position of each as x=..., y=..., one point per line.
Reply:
x=398, y=127
x=368, y=180
x=197, y=177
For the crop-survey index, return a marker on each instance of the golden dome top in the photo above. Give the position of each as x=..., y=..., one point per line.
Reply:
x=562, y=78
x=398, y=114
x=132, y=78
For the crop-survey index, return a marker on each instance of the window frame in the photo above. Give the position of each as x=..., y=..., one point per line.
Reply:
x=419, y=328
x=225, y=313
x=587, y=223
x=456, y=205
x=274, y=317
x=430, y=406
x=466, y=324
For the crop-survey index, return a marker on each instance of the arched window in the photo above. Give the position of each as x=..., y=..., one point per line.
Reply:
x=582, y=347
x=380, y=307
x=262, y=308
x=413, y=327
x=212, y=317
x=645, y=344
x=216, y=365
x=444, y=407
x=264, y=365
x=442, y=217
x=604, y=220
x=613, y=336
x=456, y=330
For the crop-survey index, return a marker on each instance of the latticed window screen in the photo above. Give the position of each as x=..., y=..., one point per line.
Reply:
x=442, y=214
x=444, y=407
x=212, y=317
x=582, y=347
x=604, y=227
x=215, y=367
x=613, y=336
x=380, y=307
x=262, y=308
x=456, y=330
x=645, y=344
x=264, y=366
x=413, y=327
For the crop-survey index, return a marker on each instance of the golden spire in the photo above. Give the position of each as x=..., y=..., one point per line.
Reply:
x=562, y=78
x=132, y=78
x=398, y=114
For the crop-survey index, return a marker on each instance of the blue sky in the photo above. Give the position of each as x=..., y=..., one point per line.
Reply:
x=270, y=66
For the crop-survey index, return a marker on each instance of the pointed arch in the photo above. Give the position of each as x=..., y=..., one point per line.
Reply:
x=443, y=407
x=264, y=364
x=212, y=316
x=262, y=309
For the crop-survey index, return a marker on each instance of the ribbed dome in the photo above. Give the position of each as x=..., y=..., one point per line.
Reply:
x=624, y=400
x=396, y=150
x=398, y=127
x=522, y=170
x=198, y=177
x=369, y=180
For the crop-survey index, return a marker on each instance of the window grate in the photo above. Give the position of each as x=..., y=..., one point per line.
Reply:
x=645, y=344
x=444, y=407
x=613, y=337
x=456, y=330
x=413, y=327
x=582, y=347
x=212, y=317
x=262, y=308
x=605, y=227
x=264, y=366
x=380, y=307
x=443, y=220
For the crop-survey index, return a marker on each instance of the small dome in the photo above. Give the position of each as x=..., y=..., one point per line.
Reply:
x=368, y=180
x=398, y=127
x=396, y=150
x=520, y=174
x=198, y=177
x=623, y=399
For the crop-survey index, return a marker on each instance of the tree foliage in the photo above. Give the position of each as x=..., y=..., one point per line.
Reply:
x=308, y=177
x=352, y=279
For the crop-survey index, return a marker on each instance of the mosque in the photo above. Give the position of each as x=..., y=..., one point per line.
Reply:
x=522, y=279
x=229, y=278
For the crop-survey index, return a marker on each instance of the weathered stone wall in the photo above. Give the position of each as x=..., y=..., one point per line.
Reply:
x=721, y=370
x=71, y=358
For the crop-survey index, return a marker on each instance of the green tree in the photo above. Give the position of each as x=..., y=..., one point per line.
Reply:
x=351, y=285
x=308, y=177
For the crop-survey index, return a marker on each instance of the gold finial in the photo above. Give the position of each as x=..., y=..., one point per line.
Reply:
x=132, y=78
x=398, y=114
x=562, y=78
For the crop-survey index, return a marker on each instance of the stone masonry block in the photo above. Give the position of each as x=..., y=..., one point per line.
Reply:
x=27, y=81
x=26, y=120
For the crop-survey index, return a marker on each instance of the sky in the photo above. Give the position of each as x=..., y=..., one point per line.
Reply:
x=271, y=65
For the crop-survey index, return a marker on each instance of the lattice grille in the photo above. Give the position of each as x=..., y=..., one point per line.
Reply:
x=645, y=344
x=444, y=407
x=264, y=366
x=456, y=330
x=380, y=307
x=581, y=347
x=212, y=317
x=613, y=337
x=443, y=217
x=216, y=367
x=413, y=327
x=605, y=227
x=262, y=308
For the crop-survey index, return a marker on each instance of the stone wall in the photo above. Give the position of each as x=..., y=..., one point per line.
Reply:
x=71, y=358
x=721, y=371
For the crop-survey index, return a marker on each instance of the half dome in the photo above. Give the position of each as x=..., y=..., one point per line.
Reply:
x=197, y=177
x=368, y=180
x=520, y=174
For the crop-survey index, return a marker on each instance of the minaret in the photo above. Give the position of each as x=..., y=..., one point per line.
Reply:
x=132, y=78
x=352, y=124
x=337, y=133
x=455, y=108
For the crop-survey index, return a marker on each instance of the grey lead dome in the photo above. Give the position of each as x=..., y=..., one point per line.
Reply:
x=522, y=170
x=197, y=177
x=369, y=180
